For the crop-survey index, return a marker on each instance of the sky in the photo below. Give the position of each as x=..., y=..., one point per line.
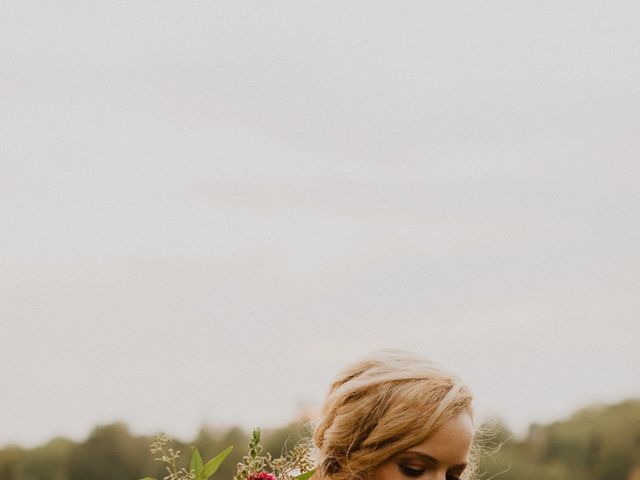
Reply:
x=208, y=208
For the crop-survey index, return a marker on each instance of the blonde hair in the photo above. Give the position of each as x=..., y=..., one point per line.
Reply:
x=381, y=405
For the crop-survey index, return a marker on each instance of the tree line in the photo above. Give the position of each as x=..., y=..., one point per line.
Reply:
x=596, y=443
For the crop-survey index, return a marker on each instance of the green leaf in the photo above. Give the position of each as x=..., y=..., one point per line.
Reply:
x=213, y=464
x=196, y=462
x=148, y=478
x=305, y=475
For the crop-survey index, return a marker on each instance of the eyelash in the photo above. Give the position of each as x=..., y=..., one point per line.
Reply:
x=413, y=472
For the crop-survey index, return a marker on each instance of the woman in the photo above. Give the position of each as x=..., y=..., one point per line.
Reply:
x=395, y=416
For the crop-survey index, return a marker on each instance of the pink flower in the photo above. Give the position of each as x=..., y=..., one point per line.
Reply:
x=262, y=476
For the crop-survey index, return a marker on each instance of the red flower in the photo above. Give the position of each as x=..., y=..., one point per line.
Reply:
x=262, y=476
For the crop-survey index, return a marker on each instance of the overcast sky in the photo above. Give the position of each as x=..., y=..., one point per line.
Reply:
x=208, y=208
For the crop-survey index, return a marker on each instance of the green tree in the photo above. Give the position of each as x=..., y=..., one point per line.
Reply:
x=10, y=461
x=110, y=453
x=47, y=462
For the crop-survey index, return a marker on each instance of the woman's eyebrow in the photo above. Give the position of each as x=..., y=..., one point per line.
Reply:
x=429, y=458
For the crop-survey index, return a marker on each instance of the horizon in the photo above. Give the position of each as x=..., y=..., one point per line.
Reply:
x=491, y=420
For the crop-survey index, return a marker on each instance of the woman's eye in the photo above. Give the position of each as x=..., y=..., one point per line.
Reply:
x=410, y=471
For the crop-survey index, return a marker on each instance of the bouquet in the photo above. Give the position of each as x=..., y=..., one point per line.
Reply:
x=293, y=465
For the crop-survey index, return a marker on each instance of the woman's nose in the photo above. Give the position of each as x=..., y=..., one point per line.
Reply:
x=440, y=475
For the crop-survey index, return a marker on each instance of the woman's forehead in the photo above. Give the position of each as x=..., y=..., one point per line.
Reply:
x=450, y=443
